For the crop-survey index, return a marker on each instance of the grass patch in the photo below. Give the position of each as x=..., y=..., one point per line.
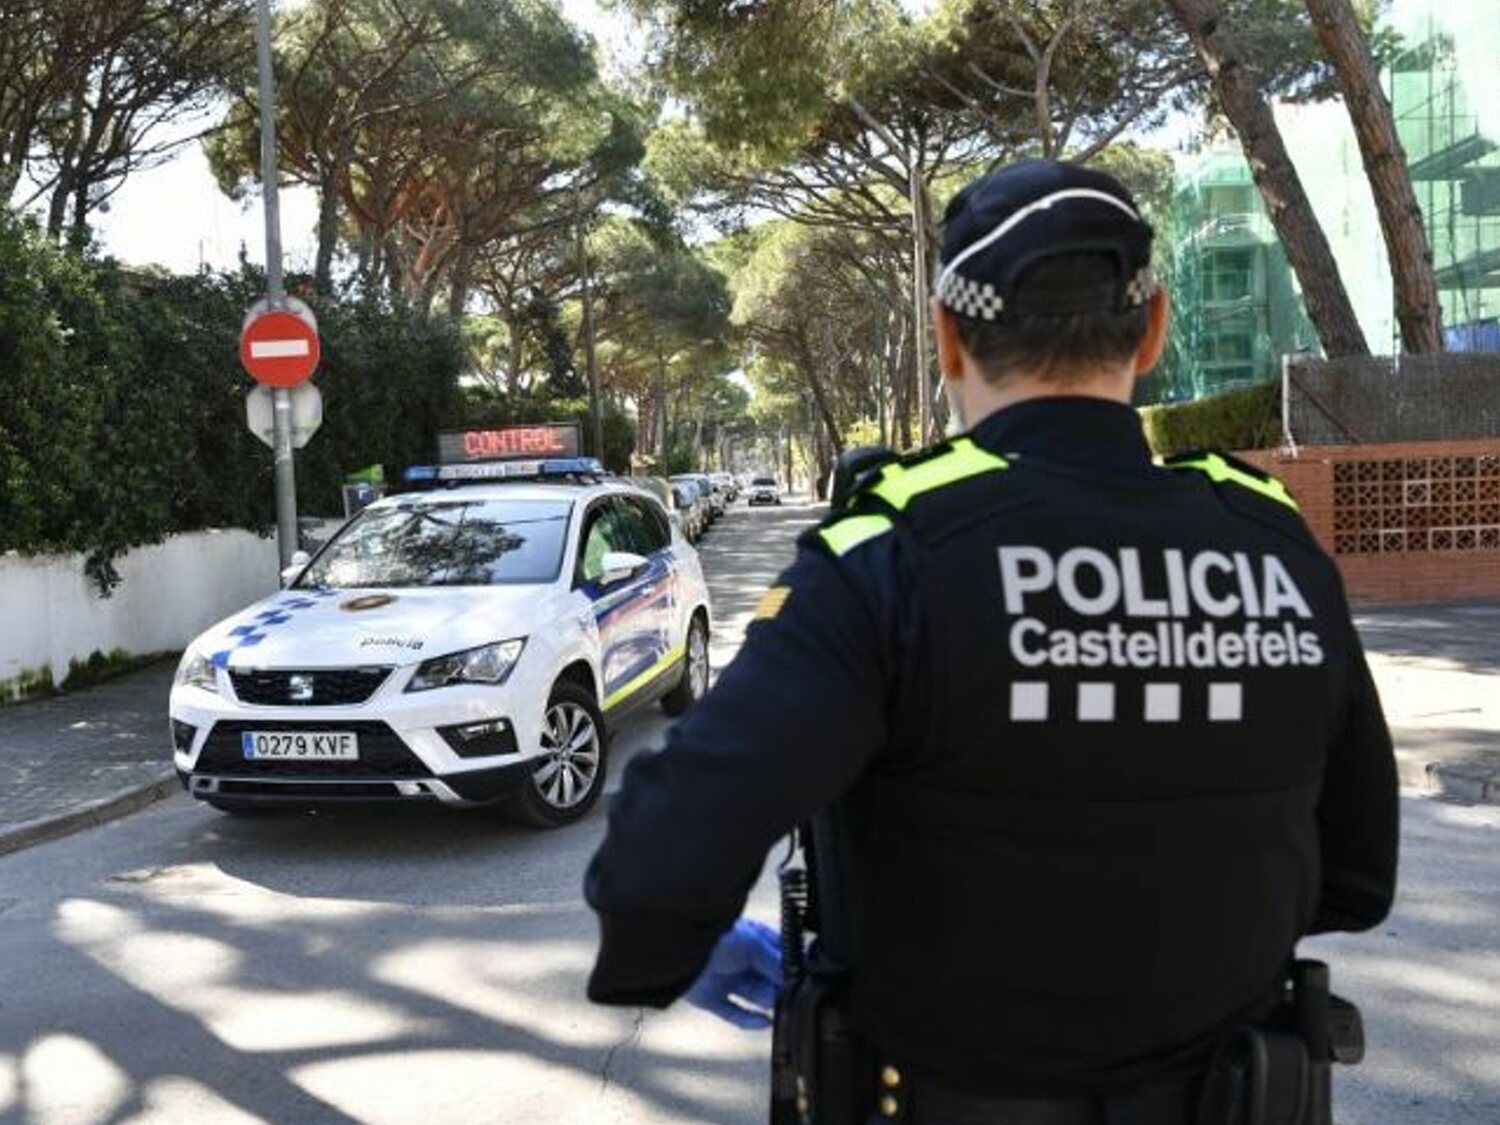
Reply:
x=100, y=667
x=32, y=683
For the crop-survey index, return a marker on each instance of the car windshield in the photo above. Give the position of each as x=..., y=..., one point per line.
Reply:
x=446, y=543
x=766, y=481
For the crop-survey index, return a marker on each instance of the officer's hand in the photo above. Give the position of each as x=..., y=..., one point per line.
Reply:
x=743, y=976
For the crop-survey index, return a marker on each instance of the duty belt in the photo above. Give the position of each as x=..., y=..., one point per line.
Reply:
x=921, y=1102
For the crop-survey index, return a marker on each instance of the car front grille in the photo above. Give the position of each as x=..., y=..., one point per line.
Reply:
x=320, y=687
x=382, y=754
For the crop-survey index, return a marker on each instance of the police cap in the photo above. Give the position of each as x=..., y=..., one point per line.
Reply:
x=1013, y=218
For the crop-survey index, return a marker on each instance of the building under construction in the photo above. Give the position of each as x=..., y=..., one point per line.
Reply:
x=1238, y=306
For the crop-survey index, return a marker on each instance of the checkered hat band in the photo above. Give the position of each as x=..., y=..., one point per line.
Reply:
x=982, y=301
x=977, y=300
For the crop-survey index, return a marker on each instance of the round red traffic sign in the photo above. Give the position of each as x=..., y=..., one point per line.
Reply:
x=279, y=347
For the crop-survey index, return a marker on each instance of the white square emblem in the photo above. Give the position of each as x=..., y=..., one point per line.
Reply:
x=1096, y=703
x=1164, y=703
x=1226, y=703
x=1028, y=703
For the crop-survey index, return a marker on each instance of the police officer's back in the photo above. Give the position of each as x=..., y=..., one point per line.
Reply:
x=1098, y=733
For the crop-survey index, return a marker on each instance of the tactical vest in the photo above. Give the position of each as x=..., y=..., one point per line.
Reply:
x=1106, y=847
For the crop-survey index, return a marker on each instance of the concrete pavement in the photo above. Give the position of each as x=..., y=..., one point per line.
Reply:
x=80, y=759
x=1438, y=668
x=73, y=761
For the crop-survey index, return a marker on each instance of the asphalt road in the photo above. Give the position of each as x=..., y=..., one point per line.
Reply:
x=416, y=966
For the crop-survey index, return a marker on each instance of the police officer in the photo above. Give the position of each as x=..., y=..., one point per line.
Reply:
x=1099, y=731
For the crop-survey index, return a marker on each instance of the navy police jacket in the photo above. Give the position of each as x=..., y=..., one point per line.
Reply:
x=1100, y=736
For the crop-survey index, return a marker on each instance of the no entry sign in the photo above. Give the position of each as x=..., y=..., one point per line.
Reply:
x=279, y=346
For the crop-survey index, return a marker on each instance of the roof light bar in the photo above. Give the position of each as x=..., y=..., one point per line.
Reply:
x=503, y=470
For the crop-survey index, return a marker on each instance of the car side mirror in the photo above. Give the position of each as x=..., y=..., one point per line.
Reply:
x=620, y=566
x=299, y=563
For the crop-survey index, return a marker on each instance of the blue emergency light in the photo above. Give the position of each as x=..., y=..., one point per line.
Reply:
x=431, y=476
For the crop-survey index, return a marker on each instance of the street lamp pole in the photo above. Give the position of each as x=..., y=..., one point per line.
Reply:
x=596, y=406
x=286, y=479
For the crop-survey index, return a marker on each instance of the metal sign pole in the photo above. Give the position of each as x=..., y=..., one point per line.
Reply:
x=286, y=478
x=919, y=301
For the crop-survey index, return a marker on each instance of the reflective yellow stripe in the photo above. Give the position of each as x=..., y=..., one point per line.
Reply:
x=899, y=484
x=1221, y=471
x=772, y=602
x=615, y=698
x=848, y=534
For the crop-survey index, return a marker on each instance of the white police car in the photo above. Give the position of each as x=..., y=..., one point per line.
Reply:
x=470, y=644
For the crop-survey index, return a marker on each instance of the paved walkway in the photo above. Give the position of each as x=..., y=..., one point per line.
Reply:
x=79, y=759
x=83, y=758
x=1438, y=668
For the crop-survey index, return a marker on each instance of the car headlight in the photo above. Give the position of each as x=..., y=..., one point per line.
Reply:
x=197, y=670
x=491, y=664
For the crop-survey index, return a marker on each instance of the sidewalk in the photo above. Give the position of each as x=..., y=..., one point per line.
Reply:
x=1438, y=669
x=80, y=759
x=84, y=758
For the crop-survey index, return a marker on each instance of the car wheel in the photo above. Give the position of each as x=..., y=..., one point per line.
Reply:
x=570, y=774
x=694, y=683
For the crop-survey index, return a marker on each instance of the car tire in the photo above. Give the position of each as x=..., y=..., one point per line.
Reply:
x=551, y=796
x=695, y=669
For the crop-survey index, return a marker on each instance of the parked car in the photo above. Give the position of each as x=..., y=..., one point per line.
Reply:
x=689, y=510
x=764, y=490
x=713, y=502
x=471, y=645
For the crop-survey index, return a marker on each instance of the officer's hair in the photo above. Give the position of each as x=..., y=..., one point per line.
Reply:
x=1055, y=348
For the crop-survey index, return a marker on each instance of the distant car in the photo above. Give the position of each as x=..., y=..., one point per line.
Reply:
x=763, y=490
x=471, y=645
x=725, y=483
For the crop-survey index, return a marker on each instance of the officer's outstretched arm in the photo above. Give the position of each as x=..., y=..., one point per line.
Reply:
x=788, y=728
x=1359, y=811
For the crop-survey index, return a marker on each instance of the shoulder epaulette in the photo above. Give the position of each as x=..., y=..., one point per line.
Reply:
x=1222, y=468
x=896, y=484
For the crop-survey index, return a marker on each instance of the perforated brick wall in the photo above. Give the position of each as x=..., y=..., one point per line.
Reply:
x=1407, y=522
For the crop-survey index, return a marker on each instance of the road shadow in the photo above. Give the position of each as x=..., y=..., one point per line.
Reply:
x=1464, y=635
x=350, y=1013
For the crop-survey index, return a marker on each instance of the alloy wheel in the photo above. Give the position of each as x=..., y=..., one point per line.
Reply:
x=571, y=742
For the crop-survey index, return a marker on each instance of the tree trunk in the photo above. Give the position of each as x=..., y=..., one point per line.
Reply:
x=1280, y=187
x=1419, y=310
x=328, y=229
x=517, y=356
x=460, y=282
x=659, y=410
x=57, y=206
x=824, y=413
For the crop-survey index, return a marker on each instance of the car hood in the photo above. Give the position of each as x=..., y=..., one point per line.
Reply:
x=342, y=628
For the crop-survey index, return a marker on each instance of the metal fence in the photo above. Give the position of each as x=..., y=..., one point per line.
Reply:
x=1410, y=398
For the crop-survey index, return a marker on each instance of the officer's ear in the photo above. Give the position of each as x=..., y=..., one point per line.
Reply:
x=1154, y=343
x=950, y=351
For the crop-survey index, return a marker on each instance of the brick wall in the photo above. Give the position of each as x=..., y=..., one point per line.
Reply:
x=1407, y=522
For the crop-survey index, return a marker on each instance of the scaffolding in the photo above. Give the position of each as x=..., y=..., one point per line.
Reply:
x=1453, y=151
x=1237, y=307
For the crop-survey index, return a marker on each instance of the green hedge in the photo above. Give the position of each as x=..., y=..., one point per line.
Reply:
x=1244, y=419
x=122, y=416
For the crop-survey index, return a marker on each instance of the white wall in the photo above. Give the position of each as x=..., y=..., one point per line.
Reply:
x=51, y=613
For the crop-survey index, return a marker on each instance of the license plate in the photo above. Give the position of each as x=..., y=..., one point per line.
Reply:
x=301, y=746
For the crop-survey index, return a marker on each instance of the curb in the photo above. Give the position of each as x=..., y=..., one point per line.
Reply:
x=1464, y=785
x=88, y=815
